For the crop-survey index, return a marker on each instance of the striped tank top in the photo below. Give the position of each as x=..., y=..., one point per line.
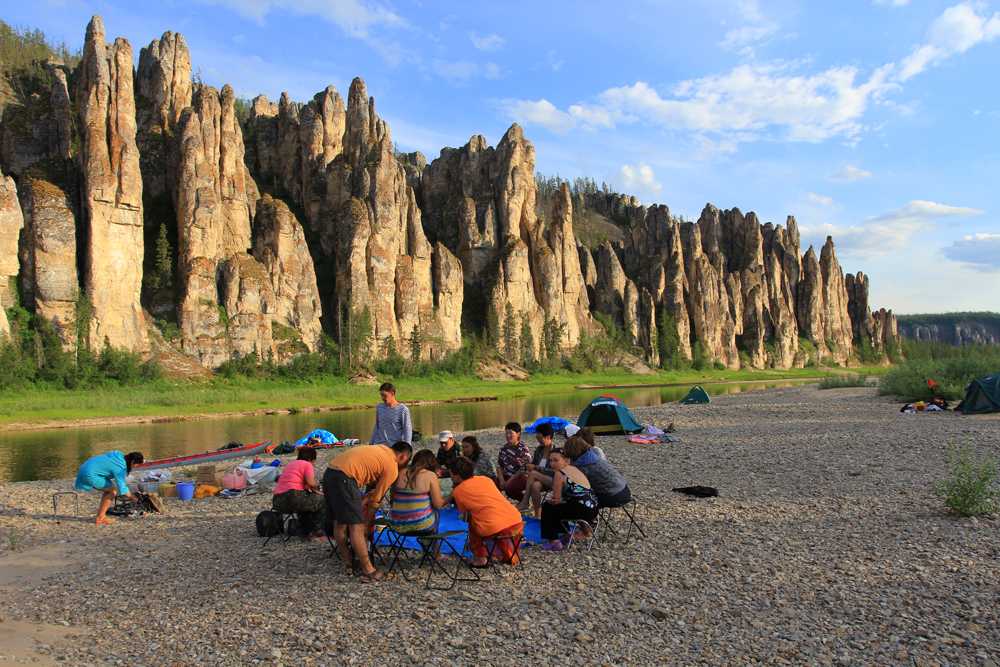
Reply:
x=411, y=511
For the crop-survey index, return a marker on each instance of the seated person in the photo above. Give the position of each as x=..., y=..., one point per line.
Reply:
x=588, y=436
x=514, y=456
x=416, y=496
x=538, y=472
x=298, y=492
x=490, y=516
x=608, y=484
x=571, y=499
x=472, y=450
x=447, y=452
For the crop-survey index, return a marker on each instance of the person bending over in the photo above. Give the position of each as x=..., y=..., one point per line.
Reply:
x=490, y=516
x=351, y=511
x=416, y=497
x=472, y=450
x=392, y=418
x=106, y=473
x=538, y=473
x=571, y=499
x=609, y=484
x=298, y=492
x=514, y=456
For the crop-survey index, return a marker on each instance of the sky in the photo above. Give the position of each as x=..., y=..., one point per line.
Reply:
x=875, y=121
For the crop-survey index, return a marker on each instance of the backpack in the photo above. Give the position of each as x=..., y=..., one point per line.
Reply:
x=269, y=523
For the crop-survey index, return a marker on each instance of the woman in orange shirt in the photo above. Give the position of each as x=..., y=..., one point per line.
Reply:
x=491, y=516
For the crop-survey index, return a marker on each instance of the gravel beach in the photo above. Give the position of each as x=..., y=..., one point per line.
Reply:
x=826, y=546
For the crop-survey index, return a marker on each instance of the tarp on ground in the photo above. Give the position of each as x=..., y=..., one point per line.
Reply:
x=981, y=396
x=696, y=396
x=606, y=415
x=558, y=424
x=325, y=437
x=451, y=521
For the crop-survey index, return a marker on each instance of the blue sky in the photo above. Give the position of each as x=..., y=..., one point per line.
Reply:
x=877, y=121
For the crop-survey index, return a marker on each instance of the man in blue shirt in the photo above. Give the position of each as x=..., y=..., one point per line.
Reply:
x=392, y=419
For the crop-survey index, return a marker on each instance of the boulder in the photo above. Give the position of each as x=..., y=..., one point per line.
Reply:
x=112, y=193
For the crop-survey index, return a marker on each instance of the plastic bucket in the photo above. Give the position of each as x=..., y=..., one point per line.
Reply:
x=185, y=490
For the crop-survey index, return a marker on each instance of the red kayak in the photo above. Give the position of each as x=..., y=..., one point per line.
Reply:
x=207, y=457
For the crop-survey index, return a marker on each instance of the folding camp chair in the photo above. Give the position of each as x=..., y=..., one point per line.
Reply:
x=607, y=516
x=574, y=529
x=65, y=494
x=432, y=547
x=515, y=542
x=289, y=523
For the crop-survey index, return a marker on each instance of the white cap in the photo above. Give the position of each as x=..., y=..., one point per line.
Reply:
x=571, y=430
x=445, y=436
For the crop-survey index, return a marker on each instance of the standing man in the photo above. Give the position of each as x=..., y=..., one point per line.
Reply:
x=350, y=510
x=392, y=419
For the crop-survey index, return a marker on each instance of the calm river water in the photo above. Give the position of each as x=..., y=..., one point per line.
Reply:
x=53, y=454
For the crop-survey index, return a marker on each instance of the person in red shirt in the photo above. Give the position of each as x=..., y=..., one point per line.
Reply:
x=490, y=515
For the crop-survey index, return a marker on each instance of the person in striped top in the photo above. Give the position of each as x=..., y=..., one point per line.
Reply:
x=416, y=496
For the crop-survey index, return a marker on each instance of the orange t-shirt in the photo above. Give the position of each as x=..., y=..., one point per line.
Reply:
x=367, y=465
x=489, y=512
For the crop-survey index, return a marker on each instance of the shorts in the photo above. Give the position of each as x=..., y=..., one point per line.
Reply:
x=85, y=482
x=343, y=498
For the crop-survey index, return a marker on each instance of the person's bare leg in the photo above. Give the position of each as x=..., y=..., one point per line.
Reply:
x=107, y=497
x=536, y=497
x=526, y=498
x=340, y=537
x=360, y=544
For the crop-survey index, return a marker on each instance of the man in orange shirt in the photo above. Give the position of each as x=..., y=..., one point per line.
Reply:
x=350, y=511
x=491, y=516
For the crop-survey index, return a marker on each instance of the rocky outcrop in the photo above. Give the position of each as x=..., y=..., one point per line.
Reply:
x=163, y=90
x=479, y=201
x=11, y=223
x=280, y=247
x=37, y=128
x=112, y=193
x=837, y=330
x=952, y=328
x=707, y=297
x=215, y=202
x=48, y=279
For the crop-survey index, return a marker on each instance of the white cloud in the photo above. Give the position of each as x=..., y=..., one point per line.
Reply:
x=955, y=31
x=892, y=3
x=754, y=30
x=977, y=251
x=491, y=42
x=822, y=200
x=355, y=17
x=553, y=61
x=850, y=173
x=639, y=177
x=460, y=71
x=539, y=112
x=892, y=231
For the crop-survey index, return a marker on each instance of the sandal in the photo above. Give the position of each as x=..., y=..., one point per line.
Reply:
x=372, y=577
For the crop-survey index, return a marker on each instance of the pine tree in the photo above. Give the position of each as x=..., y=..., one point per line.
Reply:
x=416, y=344
x=527, y=345
x=163, y=267
x=509, y=333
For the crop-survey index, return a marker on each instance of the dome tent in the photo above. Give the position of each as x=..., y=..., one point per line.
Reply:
x=606, y=415
x=696, y=396
x=981, y=396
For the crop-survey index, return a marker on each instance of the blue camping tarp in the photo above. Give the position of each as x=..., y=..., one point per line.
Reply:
x=558, y=424
x=450, y=521
x=325, y=437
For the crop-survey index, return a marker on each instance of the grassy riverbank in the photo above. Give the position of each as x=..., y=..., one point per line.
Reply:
x=232, y=395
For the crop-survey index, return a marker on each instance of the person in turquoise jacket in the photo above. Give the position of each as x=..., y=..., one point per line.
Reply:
x=106, y=473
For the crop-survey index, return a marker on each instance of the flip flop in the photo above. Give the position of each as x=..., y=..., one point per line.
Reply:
x=372, y=577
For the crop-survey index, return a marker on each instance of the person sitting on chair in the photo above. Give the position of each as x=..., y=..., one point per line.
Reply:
x=472, y=450
x=447, y=452
x=571, y=499
x=514, y=456
x=106, y=473
x=539, y=472
x=416, y=497
x=298, y=492
x=351, y=511
x=490, y=516
x=608, y=484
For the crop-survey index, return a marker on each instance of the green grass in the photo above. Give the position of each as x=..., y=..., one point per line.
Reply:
x=951, y=367
x=167, y=398
x=842, y=381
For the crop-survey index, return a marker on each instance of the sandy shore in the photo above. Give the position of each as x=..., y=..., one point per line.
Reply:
x=827, y=546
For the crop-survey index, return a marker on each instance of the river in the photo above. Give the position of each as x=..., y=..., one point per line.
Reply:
x=56, y=453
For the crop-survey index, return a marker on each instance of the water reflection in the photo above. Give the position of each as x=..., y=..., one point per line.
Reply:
x=57, y=453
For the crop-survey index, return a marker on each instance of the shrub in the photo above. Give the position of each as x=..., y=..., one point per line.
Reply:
x=951, y=367
x=970, y=489
x=842, y=381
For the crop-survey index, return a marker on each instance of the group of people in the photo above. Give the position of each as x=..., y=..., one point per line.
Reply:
x=554, y=484
x=557, y=485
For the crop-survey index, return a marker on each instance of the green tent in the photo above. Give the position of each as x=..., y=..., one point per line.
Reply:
x=606, y=415
x=981, y=396
x=696, y=396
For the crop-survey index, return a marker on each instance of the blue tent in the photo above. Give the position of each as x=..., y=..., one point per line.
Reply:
x=606, y=415
x=325, y=437
x=558, y=424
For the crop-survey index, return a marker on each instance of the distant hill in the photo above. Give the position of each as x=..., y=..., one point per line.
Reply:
x=952, y=328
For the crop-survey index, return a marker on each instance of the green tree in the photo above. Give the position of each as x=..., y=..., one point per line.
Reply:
x=668, y=343
x=509, y=328
x=492, y=326
x=527, y=345
x=552, y=338
x=416, y=344
x=163, y=262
